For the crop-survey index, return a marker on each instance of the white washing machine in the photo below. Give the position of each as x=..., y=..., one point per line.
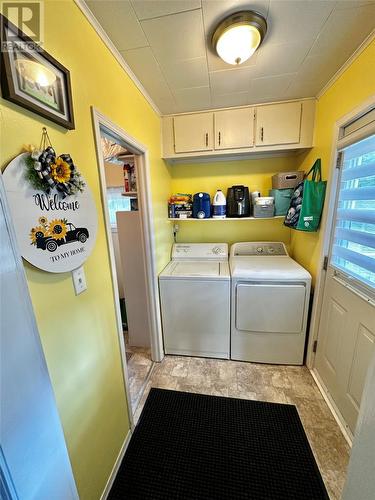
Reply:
x=270, y=302
x=195, y=300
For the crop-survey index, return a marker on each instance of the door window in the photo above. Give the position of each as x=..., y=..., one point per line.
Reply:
x=353, y=249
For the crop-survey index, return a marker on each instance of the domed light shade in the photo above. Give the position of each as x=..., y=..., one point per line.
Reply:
x=238, y=36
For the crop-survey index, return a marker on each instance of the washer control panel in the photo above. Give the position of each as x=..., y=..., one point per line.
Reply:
x=258, y=248
x=200, y=251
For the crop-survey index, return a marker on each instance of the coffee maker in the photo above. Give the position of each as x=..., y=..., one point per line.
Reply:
x=238, y=201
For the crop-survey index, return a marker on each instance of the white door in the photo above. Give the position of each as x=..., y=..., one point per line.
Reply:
x=193, y=132
x=346, y=338
x=234, y=128
x=278, y=124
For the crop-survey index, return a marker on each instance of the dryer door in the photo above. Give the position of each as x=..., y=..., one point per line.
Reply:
x=269, y=307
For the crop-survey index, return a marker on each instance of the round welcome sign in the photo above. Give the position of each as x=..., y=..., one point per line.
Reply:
x=55, y=228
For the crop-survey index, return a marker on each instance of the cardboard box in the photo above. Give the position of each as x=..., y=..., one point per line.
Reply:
x=287, y=180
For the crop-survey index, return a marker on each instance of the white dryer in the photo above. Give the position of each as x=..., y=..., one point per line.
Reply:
x=195, y=300
x=270, y=302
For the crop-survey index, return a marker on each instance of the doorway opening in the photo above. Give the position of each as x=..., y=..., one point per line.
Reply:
x=126, y=200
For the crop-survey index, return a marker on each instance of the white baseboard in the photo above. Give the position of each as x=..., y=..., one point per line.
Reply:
x=116, y=467
x=334, y=410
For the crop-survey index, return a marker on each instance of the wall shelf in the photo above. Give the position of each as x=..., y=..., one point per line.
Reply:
x=191, y=219
x=134, y=194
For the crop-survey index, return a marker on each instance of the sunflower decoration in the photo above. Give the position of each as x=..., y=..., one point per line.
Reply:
x=60, y=171
x=43, y=220
x=45, y=171
x=37, y=232
x=57, y=229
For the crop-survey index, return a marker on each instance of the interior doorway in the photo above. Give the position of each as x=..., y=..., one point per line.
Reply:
x=123, y=168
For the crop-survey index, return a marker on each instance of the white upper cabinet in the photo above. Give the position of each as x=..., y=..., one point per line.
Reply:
x=234, y=128
x=250, y=130
x=193, y=133
x=278, y=124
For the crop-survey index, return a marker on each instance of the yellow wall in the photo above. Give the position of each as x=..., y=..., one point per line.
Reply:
x=210, y=176
x=83, y=353
x=353, y=87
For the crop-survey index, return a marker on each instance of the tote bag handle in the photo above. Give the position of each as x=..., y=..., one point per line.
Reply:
x=316, y=170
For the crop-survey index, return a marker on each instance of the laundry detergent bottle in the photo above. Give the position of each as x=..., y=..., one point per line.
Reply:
x=219, y=205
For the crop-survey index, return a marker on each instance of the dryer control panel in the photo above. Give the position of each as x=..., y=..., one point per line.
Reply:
x=200, y=251
x=258, y=248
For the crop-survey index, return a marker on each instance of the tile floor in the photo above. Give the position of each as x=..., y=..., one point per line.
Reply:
x=281, y=384
x=139, y=365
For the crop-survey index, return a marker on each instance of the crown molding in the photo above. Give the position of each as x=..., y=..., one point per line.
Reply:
x=366, y=42
x=81, y=4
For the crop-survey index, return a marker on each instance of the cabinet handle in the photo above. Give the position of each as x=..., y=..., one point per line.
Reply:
x=219, y=138
x=206, y=139
x=261, y=134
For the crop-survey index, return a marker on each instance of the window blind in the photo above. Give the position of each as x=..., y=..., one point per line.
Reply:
x=353, y=249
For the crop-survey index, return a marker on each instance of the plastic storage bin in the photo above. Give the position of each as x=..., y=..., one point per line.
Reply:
x=263, y=211
x=282, y=200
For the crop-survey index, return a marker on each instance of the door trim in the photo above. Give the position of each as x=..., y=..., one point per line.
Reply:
x=143, y=170
x=116, y=467
x=327, y=225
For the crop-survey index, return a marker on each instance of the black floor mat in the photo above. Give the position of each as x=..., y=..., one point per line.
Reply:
x=192, y=446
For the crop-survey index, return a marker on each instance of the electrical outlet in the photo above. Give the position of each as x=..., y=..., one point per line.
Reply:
x=79, y=280
x=176, y=228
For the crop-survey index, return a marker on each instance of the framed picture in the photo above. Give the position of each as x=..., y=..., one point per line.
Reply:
x=32, y=78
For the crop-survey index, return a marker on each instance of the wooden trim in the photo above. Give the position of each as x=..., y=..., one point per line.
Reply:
x=333, y=408
x=156, y=340
x=81, y=4
x=116, y=467
x=7, y=83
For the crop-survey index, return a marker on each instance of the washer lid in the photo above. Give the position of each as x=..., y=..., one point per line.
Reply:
x=196, y=269
x=269, y=268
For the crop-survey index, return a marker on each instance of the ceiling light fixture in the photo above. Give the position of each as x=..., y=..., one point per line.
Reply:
x=238, y=36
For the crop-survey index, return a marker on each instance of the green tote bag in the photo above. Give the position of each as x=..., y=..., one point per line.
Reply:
x=306, y=204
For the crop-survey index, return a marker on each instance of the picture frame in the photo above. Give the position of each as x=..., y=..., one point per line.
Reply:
x=32, y=78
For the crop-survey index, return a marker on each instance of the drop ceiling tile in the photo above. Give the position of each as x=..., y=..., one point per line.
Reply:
x=147, y=9
x=270, y=88
x=345, y=30
x=349, y=4
x=277, y=59
x=314, y=73
x=232, y=80
x=144, y=65
x=299, y=89
x=176, y=37
x=292, y=20
x=229, y=100
x=187, y=73
x=120, y=23
x=192, y=99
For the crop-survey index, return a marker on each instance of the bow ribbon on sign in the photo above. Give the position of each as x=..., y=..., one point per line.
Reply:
x=56, y=172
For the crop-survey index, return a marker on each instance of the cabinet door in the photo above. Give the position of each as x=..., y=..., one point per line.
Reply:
x=234, y=128
x=193, y=132
x=278, y=124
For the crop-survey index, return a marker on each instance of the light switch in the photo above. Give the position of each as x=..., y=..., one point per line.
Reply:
x=79, y=280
